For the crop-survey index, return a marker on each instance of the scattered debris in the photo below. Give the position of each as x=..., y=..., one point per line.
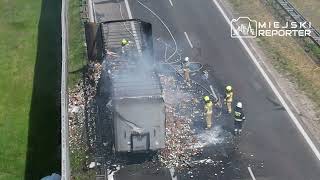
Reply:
x=180, y=136
x=186, y=138
x=93, y=165
x=76, y=117
x=80, y=110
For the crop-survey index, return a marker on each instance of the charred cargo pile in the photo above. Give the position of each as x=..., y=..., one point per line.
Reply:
x=82, y=116
x=137, y=105
x=181, y=111
x=81, y=102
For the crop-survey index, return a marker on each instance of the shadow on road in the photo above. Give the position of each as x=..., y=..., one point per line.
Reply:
x=43, y=154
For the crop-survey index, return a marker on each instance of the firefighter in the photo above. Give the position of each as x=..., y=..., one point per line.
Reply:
x=124, y=43
x=239, y=118
x=208, y=111
x=229, y=98
x=186, y=70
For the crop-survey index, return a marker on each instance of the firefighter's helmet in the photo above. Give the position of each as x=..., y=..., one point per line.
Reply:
x=229, y=88
x=124, y=42
x=239, y=105
x=206, y=98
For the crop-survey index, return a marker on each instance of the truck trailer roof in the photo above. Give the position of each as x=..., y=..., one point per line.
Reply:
x=135, y=86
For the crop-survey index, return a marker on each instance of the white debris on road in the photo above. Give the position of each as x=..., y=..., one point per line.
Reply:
x=179, y=134
x=185, y=134
x=76, y=117
x=93, y=165
x=80, y=97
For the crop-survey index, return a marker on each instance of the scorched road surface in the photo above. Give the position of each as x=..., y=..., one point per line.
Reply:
x=270, y=135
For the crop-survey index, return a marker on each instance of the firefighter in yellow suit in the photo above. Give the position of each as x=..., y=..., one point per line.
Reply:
x=124, y=44
x=208, y=111
x=229, y=98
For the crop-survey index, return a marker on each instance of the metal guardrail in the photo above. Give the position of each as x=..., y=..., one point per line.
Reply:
x=84, y=11
x=65, y=161
x=298, y=17
x=88, y=11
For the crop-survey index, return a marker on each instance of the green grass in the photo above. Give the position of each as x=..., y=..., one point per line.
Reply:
x=43, y=157
x=29, y=88
x=78, y=166
x=315, y=50
x=77, y=56
x=77, y=61
x=18, y=49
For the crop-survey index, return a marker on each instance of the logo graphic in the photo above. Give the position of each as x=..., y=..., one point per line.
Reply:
x=244, y=27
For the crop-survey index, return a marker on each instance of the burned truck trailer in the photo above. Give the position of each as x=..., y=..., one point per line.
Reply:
x=138, y=114
x=138, y=109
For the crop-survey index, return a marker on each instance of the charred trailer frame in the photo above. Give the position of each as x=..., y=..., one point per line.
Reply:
x=138, y=108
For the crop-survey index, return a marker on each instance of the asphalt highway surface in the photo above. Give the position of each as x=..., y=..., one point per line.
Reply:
x=271, y=147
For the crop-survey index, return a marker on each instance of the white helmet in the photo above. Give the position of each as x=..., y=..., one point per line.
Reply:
x=239, y=105
x=186, y=59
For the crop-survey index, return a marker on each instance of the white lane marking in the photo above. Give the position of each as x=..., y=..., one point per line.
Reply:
x=128, y=9
x=274, y=89
x=171, y=3
x=91, y=11
x=132, y=26
x=187, y=37
x=110, y=175
x=94, y=11
x=251, y=173
x=164, y=24
x=172, y=172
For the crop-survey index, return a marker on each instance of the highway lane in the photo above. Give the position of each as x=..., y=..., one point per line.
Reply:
x=270, y=134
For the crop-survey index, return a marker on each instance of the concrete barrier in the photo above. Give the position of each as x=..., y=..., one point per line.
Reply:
x=65, y=161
